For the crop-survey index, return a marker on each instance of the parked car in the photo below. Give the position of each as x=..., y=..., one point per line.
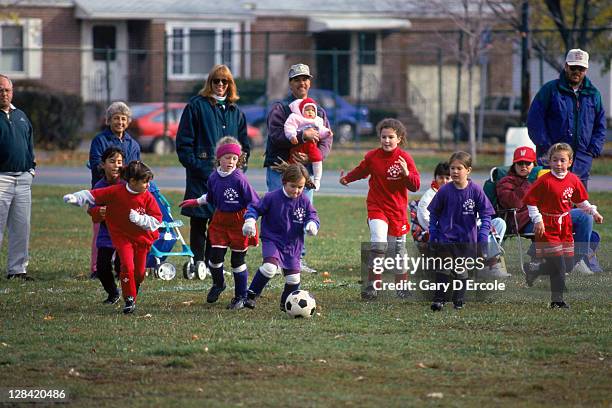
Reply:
x=147, y=127
x=345, y=119
x=500, y=113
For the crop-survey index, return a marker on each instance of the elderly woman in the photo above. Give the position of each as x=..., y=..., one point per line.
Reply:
x=118, y=118
x=208, y=117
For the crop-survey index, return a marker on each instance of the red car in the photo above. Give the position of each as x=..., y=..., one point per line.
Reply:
x=147, y=127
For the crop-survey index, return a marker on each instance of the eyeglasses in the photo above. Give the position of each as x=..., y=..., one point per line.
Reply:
x=523, y=163
x=577, y=68
x=218, y=81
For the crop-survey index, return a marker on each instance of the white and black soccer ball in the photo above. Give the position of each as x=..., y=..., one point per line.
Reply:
x=300, y=303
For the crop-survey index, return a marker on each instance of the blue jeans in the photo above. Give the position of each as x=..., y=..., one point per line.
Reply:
x=274, y=181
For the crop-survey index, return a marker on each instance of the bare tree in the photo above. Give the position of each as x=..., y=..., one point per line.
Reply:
x=560, y=25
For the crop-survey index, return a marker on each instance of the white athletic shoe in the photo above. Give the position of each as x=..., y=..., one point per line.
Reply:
x=583, y=268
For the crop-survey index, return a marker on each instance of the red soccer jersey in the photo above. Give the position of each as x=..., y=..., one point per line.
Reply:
x=554, y=198
x=119, y=201
x=388, y=188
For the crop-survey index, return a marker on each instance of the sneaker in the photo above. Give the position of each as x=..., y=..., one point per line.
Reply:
x=22, y=276
x=236, y=303
x=559, y=305
x=457, y=305
x=583, y=268
x=250, y=301
x=530, y=277
x=305, y=268
x=130, y=305
x=403, y=294
x=437, y=306
x=112, y=299
x=497, y=271
x=369, y=293
x=214, y=293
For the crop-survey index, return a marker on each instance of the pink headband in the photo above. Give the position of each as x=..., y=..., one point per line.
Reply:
x=228, y=148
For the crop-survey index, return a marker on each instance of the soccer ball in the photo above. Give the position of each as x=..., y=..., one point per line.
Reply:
x=300, y=303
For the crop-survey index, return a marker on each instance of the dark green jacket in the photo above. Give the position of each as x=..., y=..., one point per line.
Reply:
x=16, y=142
x=202, y=125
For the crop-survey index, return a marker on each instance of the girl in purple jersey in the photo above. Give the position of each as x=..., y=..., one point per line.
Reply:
x=286, y=216
x=230, y=193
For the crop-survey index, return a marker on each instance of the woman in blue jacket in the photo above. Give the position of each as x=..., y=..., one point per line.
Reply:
x=208, y=117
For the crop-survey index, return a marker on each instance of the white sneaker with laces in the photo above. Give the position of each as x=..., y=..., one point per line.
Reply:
x=305, y=268
x=583, y=268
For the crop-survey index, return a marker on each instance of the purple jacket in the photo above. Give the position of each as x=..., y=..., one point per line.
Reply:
x=283, y=220
x=232, y=193
x=103, y=240
x=453, y=214
x=277, y=145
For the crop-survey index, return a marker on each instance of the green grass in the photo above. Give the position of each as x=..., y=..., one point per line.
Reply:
x=179, y=351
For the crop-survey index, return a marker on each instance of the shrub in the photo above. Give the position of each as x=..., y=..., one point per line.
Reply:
x=56, y=117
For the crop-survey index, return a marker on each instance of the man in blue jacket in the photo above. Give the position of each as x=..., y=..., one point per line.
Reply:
x=570, y=110
x=16, y=174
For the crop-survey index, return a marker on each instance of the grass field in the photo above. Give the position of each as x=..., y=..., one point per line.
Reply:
x=179, y=351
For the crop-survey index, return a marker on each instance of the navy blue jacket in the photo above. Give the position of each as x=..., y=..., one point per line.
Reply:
x=16, y=142
x=202, y=124
x=558, y=115
x=104, y=140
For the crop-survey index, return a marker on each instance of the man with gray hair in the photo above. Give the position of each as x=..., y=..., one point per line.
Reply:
x=16, y=174
x=278, y=146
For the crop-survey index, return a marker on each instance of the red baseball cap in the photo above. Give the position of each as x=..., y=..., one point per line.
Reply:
x=524, y=153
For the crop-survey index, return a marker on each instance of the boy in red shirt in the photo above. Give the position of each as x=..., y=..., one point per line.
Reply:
x=549, y=201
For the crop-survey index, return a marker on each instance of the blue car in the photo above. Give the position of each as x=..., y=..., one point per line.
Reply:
x=346, y=119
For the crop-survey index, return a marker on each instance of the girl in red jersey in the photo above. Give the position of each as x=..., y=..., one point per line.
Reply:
x=132, y=218
x=392, y=173
x=549, y=201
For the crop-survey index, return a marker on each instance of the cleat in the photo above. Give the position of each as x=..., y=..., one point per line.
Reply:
x=214, y=293
x=437, y=306
x=130, y=305
x=403, y=294
x=236, y=303
x=250, y=301
x=458, y=305
x=112, y=299
x=369, y=293
x=559, y=305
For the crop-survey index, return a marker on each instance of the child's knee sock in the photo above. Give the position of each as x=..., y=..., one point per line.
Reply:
x=440, y=295
x=292, y=282
x=241, y=274
x=557, y=278
x=262, y=277
x=216, y=271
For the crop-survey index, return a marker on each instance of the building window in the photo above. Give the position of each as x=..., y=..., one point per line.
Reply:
x=21, y=48
x=104, y=41
x=195, y=48
x=367, y=48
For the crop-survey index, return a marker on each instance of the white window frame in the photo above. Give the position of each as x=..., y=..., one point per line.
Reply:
x=32, y=45
x=218, y=28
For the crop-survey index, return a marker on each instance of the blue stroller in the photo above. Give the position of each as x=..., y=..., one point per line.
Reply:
x=169, y=233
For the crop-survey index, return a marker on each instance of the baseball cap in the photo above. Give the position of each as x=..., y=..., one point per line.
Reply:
x=524, y=153
x=577, y=57
x=299, y=70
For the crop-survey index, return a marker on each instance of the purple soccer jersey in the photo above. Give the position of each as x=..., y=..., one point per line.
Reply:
x=456, y=211
x=282, y=226
x=231, y=193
